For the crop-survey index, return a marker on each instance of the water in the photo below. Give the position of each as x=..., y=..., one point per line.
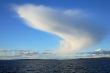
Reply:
x=101, y=65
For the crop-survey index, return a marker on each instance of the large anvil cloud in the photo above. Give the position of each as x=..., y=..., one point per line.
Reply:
x=71, y=25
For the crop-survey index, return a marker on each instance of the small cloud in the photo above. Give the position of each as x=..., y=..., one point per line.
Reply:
x=99, y=50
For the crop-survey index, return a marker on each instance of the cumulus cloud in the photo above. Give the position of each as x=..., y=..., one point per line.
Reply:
x=24, y=54
x=71, y=25
x=96, y=54
x=17, y=54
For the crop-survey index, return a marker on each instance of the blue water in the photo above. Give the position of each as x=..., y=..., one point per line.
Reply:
x=101, y=65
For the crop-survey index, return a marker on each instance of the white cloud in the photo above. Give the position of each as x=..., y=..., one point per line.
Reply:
x=72, y=26
x=96, y=54
x=24, y=54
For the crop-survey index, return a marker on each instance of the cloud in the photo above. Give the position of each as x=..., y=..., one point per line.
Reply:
x=17, y=54
x=100, y=52
x=71, y=25
x=96, y=54
x=31, y=54
x=24, y=54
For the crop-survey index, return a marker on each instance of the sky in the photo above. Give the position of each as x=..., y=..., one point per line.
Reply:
x=60, y=26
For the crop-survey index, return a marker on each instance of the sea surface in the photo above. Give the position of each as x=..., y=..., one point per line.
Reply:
x=94, y=65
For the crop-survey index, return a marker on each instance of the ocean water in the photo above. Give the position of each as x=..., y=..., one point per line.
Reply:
x=99, y=65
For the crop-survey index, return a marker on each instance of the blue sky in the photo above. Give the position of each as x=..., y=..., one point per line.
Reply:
x=14, y=34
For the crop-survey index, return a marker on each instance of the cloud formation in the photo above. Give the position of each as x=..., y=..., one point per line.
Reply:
x=96, y=54
x=71, y=25
x=17, y=54
x=24, y=54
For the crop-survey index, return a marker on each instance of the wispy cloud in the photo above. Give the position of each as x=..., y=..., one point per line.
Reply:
x=71, y=25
